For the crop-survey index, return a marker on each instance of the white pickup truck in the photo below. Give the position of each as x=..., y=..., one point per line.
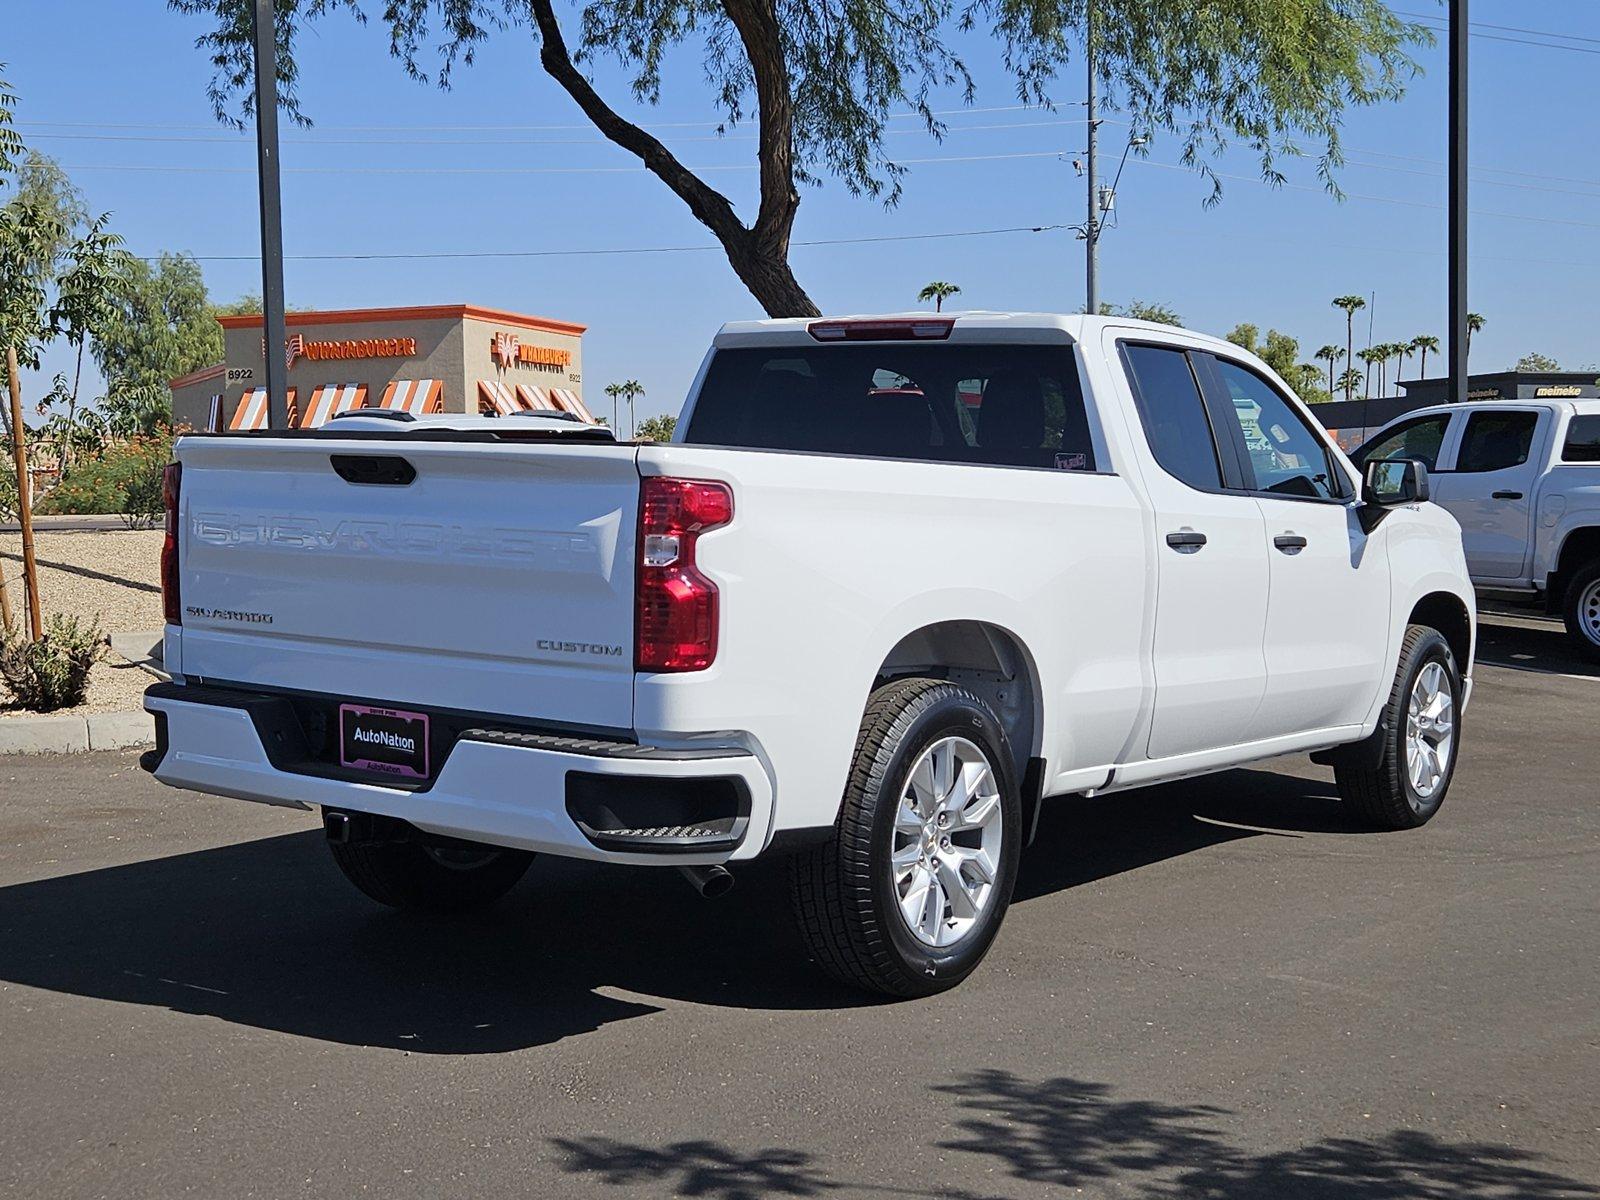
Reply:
x=899, y=580
x=1523, y=479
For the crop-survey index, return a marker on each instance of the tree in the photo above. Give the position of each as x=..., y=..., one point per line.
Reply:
x=1282, y=353
x=630, y=390
x=1400, y=351
x=1350, y=305
x=1475, y=324
x=658, y=429
x=1368, y=356
x=1349, y=380
x=1534, y=361
x=1424, y=344
x=938, y=291
x=1143, y=310
x=821, y=80
x=161, y=325
x=1330, y=355
x=41, y=259
x=614, y=390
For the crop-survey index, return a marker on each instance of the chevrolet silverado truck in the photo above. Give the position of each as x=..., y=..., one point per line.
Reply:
x=1523, y=479
x=897, y=582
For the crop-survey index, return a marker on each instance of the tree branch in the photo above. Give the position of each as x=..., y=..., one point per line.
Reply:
x=757, y=25
x=709, y=206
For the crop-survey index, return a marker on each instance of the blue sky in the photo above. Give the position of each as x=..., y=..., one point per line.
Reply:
x=509, y=165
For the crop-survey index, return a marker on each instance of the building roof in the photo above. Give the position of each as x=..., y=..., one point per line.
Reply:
x=200, y=376
x=435, y=312
x=1508, y=378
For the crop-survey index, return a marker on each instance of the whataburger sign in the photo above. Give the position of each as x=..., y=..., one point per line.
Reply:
x=508, y=350
x=397, y=347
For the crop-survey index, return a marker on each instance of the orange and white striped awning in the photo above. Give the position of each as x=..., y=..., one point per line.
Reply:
x=252, y=410
x=415, y=396
x=330, y=400
x=536, y=398
x=495, y=398
x=570, y=401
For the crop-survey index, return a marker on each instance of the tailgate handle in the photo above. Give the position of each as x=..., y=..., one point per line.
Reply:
x=388, y=469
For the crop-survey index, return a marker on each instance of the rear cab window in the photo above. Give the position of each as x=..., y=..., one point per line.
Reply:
x=1583, y=440
x=1173, y=413
x=961, y=402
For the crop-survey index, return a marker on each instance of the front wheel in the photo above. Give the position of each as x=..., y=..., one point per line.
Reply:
x=1581, y=609
x=1422, y=736
x=907, y=896
x=422, y=876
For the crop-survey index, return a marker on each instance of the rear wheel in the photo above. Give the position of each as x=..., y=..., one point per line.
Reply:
x=1581, y=609
x=1422, y=736
x=436, y=877
x=908, y=895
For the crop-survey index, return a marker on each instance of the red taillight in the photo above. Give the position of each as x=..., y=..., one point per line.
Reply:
x=171, y=480
x=675, y=626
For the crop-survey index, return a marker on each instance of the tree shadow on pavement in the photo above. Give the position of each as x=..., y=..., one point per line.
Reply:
x=1068, y=1133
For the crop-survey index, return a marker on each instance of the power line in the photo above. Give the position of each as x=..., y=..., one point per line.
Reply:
x=611, y=251
x=412, y=143
x=1546, y=33
x=1500, y=37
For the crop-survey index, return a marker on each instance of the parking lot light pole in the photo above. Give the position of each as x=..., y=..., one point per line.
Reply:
x=1457, y=347
x=273, y=334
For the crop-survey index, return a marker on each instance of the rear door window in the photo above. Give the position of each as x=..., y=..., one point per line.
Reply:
x=999, y=405
x=1173, y=414
x=1583, y=440
x=1494, y=441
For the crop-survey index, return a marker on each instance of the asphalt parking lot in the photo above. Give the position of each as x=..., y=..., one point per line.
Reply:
x=1211, y=989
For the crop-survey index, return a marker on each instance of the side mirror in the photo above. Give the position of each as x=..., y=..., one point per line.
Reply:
x=1392, y=481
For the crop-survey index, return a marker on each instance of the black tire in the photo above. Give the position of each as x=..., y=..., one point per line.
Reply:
x=846, y=899
x=1580, y=609
x=453, y=877
x=1383, y=796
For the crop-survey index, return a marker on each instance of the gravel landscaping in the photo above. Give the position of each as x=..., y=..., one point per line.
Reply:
x=112, y=576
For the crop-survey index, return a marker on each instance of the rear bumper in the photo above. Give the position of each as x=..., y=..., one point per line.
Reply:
x=505, y=789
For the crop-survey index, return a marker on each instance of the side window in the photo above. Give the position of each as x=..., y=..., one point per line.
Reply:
x=1494, y=441
x=1583, y=440
x=1419, y=438
x=1173, y=414
x=1288, y=458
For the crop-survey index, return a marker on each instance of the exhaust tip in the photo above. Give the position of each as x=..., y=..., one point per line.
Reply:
x=711, y=882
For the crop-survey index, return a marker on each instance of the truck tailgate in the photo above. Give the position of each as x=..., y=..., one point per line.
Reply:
x=498, y=580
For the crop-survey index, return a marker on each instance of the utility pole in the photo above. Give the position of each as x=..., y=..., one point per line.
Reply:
x=273, y=333
x=1457, y=346
x=1091, y=225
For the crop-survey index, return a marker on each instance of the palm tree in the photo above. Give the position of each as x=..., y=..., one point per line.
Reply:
x=1349, y=379
x=1350, y=305
x=614, y=390
x=1369, y=356
x=630, y=390
x=1330, y=355
x=1402, y=351
x=1475, y=323
x=1424, y=344
x=938, y=291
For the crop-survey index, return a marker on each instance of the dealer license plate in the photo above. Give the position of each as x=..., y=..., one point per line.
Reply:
x=389, y=741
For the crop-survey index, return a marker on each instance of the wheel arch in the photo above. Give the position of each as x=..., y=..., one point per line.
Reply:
x=1578, y=546
x=994, y=663
x=1448, y=613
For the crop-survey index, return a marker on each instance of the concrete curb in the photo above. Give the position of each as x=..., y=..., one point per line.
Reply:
x=68, y=735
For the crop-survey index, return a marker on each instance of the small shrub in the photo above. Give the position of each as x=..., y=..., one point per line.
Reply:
x=124, y=478
x=53, y=672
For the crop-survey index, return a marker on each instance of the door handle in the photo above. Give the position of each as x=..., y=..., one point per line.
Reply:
x=1186, y=539
x=1507, y=495
x=1289, y=543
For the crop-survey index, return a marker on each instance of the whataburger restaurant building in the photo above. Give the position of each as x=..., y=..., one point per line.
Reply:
x=456, y=358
